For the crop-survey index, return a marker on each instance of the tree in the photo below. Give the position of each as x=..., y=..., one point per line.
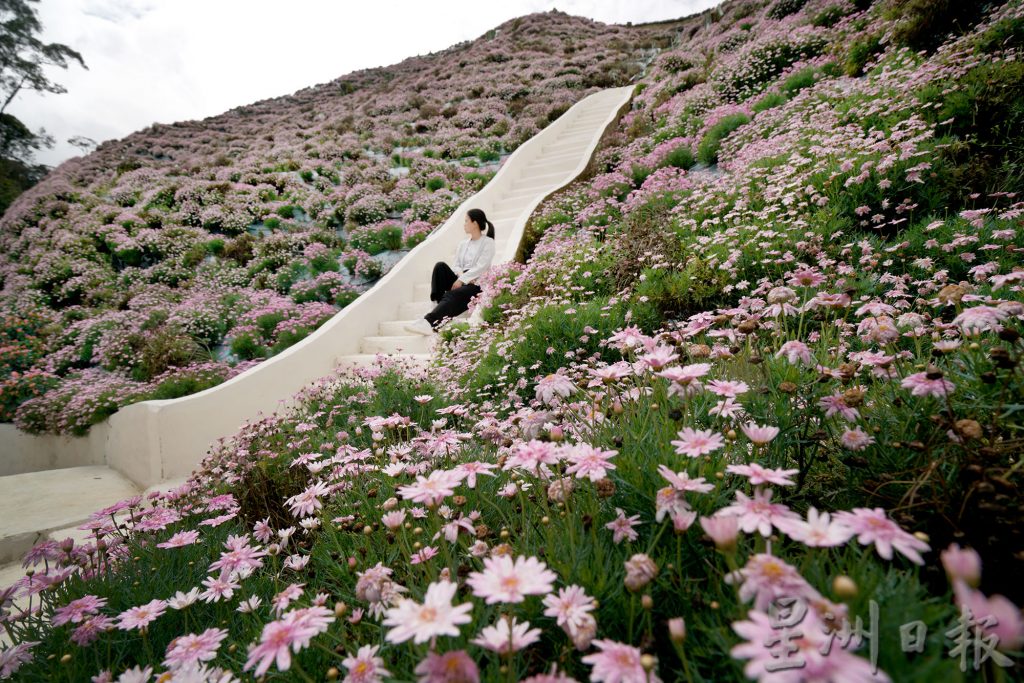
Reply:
x=23, y=56
x=23, y=60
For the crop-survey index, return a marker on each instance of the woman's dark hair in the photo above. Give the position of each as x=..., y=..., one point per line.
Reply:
x=480, y=218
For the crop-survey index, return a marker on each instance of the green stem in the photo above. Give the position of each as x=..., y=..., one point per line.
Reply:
x=299, y=670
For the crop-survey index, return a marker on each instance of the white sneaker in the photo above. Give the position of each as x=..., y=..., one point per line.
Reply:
x=421, y=326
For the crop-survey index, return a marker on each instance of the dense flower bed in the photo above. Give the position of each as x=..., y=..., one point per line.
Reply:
x=159, y=251
x=753, y=419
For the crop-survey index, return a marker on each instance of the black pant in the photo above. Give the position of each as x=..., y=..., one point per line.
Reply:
x=450, y=302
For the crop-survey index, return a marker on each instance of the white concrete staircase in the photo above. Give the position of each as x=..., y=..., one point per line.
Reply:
x=559, y=160
x=49, y=485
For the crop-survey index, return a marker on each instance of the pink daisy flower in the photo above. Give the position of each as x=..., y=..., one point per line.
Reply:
x=610, y=374
x=503, y=580
x=617, y=663
x=77, y=610
x=181, y=600
x=507, y=636
x=628, y=338
x=11, y=658
x=308, y=502
x=764, y=650
x=856, y=439
x=920, y=385
x=240, y=556
x=569, y=607
x=622, y=527
x=470, y=471
x=795, y=352
x=696, y=443
x=757, y=513
x=554, y=387
x=588, y=462
x=288, y=594
x=980, y=319
x=728, y=408
x=194, y=648
x=90, y=629
x=872, y=526
x=759, y=475
x=433, y=489
x=277, y=642
x=659, y=357
x=685, y=380
x=682, y=482
x=140, y=617
x=365, y=666
x=727, y=388
x=455, y=665
x=995, y=615
x=219, y=588
x=436, y=616
x=818, y=531
x=180, y=539
x=760, y=435
x=423, y=555
x=532, y=455
x=836, y=403
x=765, y=578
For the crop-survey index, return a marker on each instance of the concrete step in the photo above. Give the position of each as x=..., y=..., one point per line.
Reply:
x=565, y=146
x=589, y=121
x=575, y=136
x=530, y=192
x=408, y=342
x=532, y=175
x=33, y=504
x=357, y=360
x=589, y=125
x=568, y=162
x=421, y=292
x=538, y=182
x=414, y=309
x=393, y=328
x=508, y=212
x=545, y=161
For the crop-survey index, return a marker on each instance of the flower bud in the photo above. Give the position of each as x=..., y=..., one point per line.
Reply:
x=844, y=587
x=723, y=530
x=677, y=630
x=640, y=570
x=962, y=563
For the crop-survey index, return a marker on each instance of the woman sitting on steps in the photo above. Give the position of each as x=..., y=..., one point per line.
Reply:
x=452, y=289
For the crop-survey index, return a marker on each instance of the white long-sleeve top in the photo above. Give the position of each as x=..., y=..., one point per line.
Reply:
x=473, y=257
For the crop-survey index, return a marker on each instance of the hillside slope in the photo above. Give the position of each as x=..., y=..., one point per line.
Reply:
x=175, y=258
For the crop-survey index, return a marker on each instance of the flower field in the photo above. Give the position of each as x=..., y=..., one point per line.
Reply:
x=167, y=262
x=747, y=408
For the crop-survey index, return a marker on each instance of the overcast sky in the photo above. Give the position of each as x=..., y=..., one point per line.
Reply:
x=171, y=60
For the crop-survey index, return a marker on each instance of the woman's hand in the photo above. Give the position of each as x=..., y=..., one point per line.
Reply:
x=456, y=284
